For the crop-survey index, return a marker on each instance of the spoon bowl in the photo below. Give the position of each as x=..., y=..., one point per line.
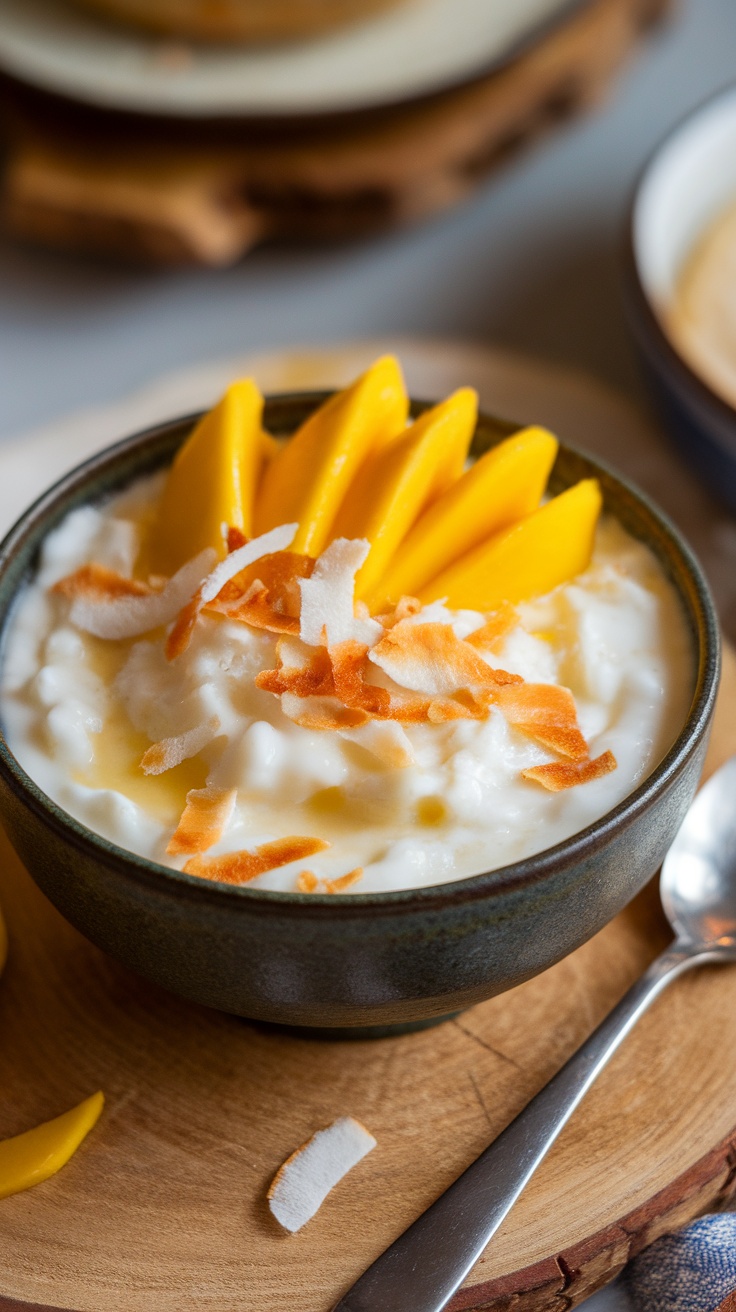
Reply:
x=698, y=882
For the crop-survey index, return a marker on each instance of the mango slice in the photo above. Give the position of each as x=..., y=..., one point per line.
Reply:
x=395, y=483
x=501, y=487
x=34, y=1156
x=212, y=481
x=547, y=548
x=271, y=446
x=309, y=477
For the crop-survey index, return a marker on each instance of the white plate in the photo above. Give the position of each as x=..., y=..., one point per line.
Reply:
x=419, y=47
x=576, y=407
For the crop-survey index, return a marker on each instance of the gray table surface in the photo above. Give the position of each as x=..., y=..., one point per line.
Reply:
x=531, y=262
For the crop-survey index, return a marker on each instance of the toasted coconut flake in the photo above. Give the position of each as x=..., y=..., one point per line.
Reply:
x=130, y=616
x=307, y=882
x=546, y=713
x=277, y=575
x=431, y=659
x=180, y=635
x=384, y=739
x=344, y=882
x=272, y=600
x=277, y=539
x=327, y=609
x=217, y=582
x=241, y=867
x=405, y=607
x=321, y=713
x=557, y=775
x=257, y=610
x=441, y=710
x=170, y=752
x=302, y=1183
x=303, y=671
x=203, y=821
x=491, y=634
x=96, y=582
x=280, y=574
x=351, y=688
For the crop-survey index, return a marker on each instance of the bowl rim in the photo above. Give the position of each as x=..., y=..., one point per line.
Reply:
x=529, y=871
x=641, y=301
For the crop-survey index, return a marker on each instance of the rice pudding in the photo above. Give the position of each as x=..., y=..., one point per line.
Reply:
x=392, y=671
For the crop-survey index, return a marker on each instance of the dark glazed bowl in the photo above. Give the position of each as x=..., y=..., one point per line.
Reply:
x=362, y=960
x=689, y=180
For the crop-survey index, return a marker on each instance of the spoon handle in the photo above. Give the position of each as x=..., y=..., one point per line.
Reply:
x=423, y=1267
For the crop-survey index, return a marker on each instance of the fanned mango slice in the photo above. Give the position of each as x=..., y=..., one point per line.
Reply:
x=547, y=548
x=34, y=1156
x=271, y=446
x=501, y=487
x=395, y=483
x=212, y=481
x=306, y=482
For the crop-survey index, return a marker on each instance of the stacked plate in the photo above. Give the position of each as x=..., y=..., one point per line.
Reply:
x=409, y=49
x=150, y=144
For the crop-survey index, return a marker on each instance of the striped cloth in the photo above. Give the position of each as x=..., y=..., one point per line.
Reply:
x=692, y=1271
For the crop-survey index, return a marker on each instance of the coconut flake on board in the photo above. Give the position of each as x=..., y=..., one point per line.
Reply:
x=302, y=1183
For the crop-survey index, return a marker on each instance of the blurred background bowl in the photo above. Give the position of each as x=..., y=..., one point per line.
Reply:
x=689, y=180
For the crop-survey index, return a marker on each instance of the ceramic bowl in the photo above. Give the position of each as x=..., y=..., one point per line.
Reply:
x=690, y=178
x=359, y=961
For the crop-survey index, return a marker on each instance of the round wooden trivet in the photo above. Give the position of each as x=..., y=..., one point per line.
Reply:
x=168, y=192
x=163, y=1208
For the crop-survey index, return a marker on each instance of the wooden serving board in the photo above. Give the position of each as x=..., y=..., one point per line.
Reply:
x=167, y=192
x=163, y=1208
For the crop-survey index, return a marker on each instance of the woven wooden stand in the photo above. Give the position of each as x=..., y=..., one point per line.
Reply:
x=163, y=1208
x=167, y=192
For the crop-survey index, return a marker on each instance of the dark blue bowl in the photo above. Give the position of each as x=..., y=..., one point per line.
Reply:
x=688, y=181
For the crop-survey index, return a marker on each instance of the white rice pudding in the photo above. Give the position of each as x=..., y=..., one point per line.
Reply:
x=79, y=712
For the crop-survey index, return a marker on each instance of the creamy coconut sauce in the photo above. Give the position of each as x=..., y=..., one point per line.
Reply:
x=79, y=713
x=702, y=318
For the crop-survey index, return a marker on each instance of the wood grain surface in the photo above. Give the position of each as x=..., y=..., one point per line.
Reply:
x=154, y=190
x=163, y=1208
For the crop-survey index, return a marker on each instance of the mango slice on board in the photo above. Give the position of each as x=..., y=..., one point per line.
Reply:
x=309, y=477
x=34, y=1156
x=501, y=487
x=395, y=483
x=212, y=481
x=547, y=548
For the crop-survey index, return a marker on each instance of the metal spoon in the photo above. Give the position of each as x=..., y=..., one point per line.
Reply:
x=422, y=1269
